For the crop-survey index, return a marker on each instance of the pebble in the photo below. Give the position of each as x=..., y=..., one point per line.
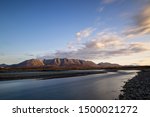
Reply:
x=137, y=88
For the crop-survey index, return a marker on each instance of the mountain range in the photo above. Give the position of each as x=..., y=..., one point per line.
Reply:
x=60, y=62
x=106, y=64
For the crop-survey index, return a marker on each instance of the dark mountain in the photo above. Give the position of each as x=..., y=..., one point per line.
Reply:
x=57, y=62
x=62, y=63
x=106, y=65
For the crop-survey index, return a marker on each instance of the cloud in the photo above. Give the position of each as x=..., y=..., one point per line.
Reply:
x=104, y=46
x=139, y=47
x=100, y=9
x=28, y=54
x=84, y=33
x=145, y=61
x=141, y=25
x=2, y=54
x=103, y=41
x=74, y=45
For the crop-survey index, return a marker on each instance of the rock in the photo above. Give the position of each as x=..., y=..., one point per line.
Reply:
x=137, y=88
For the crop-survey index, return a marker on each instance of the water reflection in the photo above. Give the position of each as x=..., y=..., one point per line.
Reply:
x=97, y=86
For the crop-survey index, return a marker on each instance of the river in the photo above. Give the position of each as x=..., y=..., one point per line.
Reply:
x=104, y=86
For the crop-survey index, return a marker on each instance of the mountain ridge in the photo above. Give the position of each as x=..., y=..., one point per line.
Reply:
x=62, y=62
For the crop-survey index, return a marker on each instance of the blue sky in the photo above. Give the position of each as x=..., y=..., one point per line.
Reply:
x=107, y=29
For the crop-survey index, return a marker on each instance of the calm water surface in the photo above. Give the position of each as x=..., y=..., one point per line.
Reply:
x=97, y=86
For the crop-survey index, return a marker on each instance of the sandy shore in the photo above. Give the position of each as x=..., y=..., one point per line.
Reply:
x=138, y=88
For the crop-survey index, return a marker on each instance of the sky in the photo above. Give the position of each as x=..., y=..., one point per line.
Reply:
x=116, y=31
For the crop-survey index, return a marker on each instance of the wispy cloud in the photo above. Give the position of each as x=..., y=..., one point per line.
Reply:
x=103, y=46
x=84, y=33
x=108, y=1
x=144, y=61
x=105, y=41
x=141, y=24
x=100, y=9
x=2, y=54
x=28, y=54
x=107, y=44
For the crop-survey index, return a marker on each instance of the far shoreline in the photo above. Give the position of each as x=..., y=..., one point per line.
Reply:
x=11, y=73
x=57, y=74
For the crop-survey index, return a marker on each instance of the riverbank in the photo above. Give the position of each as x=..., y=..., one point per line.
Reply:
x=137, y=88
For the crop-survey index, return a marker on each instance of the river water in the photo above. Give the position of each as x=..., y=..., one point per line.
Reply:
x=104, y=86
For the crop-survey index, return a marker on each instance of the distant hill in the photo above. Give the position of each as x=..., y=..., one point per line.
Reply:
x=30, y=63
x=3, y=65
x=107, y=65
